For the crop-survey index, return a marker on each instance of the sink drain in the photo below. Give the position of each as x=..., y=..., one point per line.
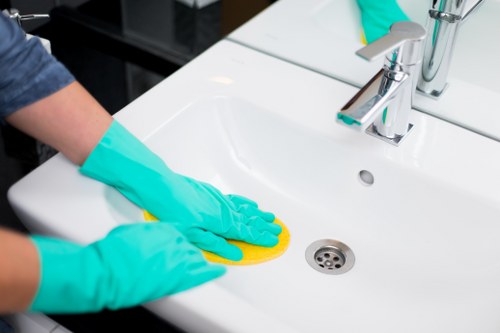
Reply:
x=330, y=256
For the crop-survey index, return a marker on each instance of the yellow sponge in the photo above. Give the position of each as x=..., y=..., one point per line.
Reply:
x=252, y=254
x=363, y=38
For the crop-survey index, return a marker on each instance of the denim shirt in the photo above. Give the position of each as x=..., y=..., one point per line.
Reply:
x=28, y=72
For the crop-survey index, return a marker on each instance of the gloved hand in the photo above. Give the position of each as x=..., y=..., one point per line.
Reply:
x=203, y=213
x=133, y=264
x=377, y=16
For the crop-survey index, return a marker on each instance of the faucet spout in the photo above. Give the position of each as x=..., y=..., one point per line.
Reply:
x=370, y=103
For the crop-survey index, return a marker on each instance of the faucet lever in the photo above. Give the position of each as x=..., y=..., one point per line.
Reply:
x=400, y=33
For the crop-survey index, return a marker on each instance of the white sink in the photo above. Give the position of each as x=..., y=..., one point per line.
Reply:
x=323, y=35
x=426, y=234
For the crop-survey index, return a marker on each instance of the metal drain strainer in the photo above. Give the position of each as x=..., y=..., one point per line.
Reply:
x=330, y=256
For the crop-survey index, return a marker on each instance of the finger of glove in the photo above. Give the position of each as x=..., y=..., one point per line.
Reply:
x=241, y=200
x=249, y=207
x=218, y=195
x=250, y=211
x=208, y=241
x=263, y=225
x=240, y=204
x=240, y=230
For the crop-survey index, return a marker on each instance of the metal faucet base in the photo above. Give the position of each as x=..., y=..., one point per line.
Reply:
x=434, y=94
x=393, y=141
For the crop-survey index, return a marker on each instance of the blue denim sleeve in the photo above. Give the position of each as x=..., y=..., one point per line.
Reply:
x=28, y=72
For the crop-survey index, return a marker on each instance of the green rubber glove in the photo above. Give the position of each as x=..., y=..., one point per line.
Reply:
x=203, y=213
x=377, y=16
x=134, y=264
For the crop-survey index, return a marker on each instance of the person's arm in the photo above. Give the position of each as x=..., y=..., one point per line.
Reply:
x=39, y=96
x=19, y=271
x=70, y=120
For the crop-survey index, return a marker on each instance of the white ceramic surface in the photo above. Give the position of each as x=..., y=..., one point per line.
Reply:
x=323, y=35
x=425, y=235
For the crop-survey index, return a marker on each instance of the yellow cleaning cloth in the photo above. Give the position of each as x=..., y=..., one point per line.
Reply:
x=252, y=254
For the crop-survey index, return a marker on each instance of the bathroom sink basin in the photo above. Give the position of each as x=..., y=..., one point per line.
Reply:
x=423, y=228
x=323, y=35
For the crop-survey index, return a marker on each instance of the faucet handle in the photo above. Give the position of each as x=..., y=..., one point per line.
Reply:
x=14, y=14
x=401, y=35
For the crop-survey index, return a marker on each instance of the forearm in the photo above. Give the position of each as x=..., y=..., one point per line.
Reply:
x=19, y=271
x=70, y=120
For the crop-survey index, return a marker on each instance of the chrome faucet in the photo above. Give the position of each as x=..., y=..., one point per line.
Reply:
x=382, y=107
x=445, y=17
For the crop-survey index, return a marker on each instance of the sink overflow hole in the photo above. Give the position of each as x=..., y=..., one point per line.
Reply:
x=366, y=178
